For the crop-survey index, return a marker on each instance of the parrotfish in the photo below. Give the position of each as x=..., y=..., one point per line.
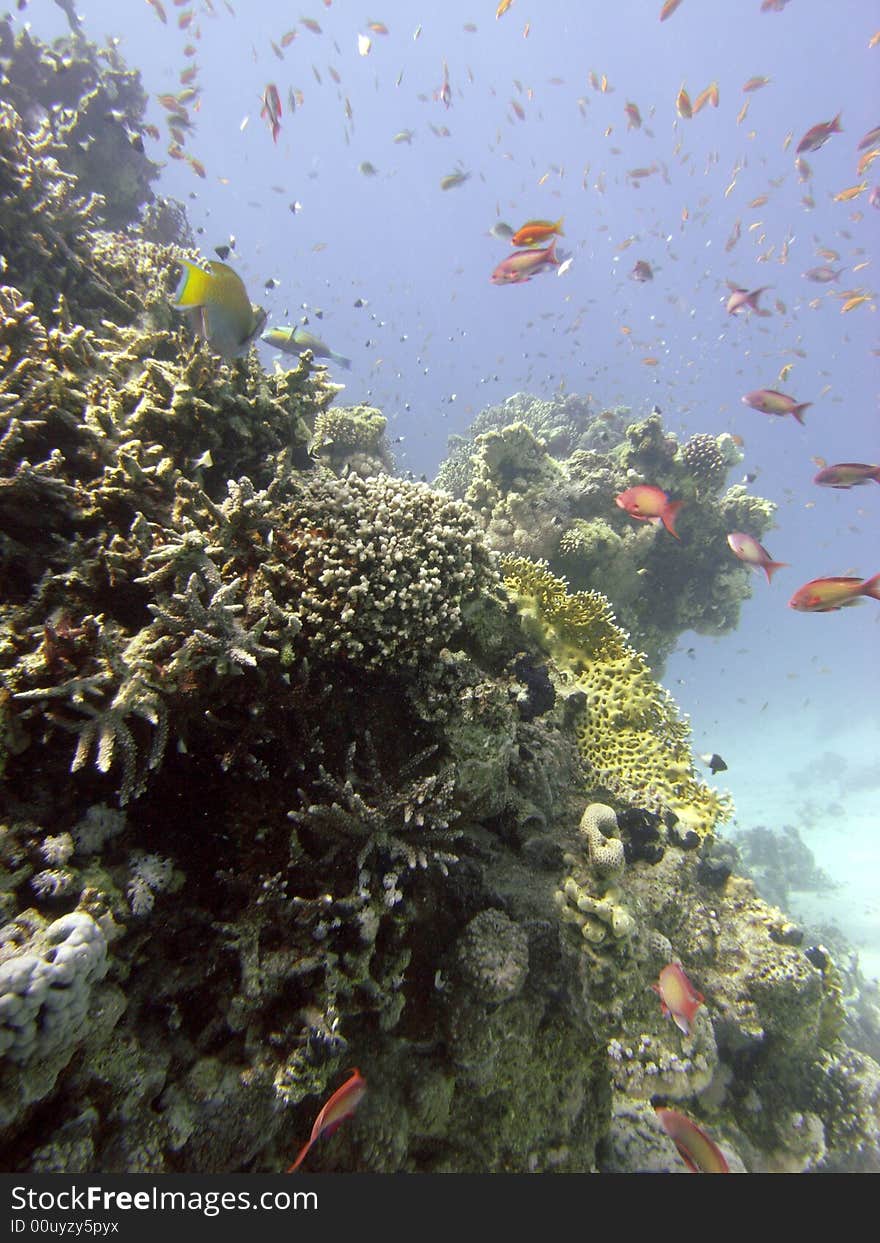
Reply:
x=533, y=232
x=649, y=504
x=747, y=548
x=818, y=135
x=678, y=996
x=847, y=475
x=523, y=265
x=700, y=1154
x=340, y=1106
x=225, y=316
x=295, y=340
x=769, y=401
x=824, y=595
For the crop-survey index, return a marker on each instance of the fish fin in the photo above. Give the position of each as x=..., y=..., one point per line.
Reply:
x=871, y=587
x=670, y=512
x=771, y=567
x=798, y=411
x=194, y=285
x=558, y=226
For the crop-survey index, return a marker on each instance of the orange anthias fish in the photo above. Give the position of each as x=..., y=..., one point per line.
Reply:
x=769, y=401
x=824, y=595
x=678, y=996
x=523, y=265
x=649, y=504
x=536, y=231
x=847, y=475
x=700, y=1154
x=747, y=548
x=740, y=298
x=340, y=1106
x=818, y=135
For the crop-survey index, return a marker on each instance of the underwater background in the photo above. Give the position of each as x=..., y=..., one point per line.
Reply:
x=278, y=829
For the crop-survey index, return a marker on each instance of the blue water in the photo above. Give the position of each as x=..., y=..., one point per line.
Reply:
x=436, y=342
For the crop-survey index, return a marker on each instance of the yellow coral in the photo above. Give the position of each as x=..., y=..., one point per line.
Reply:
x=630, y=735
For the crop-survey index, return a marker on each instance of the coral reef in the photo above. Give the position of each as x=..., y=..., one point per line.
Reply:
x=543, y=475
x=291, y=783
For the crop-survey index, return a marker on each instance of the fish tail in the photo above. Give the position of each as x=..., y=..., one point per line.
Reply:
x=669, y=515
x=195, y=284
x=770, y=568
x=557, y=228
x=835, y=127
x=871, y=587
x=875, y=474
x=798, y=411
x=341, y=360
x=291, y=1169
x=551, y=252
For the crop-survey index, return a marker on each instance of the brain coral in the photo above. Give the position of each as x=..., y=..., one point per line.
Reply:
x=631, y=738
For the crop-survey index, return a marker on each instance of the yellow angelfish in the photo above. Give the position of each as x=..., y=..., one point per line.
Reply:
x=225, y=316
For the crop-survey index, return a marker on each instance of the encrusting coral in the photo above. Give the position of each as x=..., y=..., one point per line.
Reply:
x=632, y=740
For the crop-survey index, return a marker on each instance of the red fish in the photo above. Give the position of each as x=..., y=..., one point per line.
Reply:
x=443, y=92
x=340, y=1106
x=747, y=548
x=824, y=595
x=535, y=231
x=523, y=265
x=700, y=1154
x=271, y=109
x=742, y=297
x=769, y=401
x=818, y=135
x=649, y=504
x=847, y=475
x=678, y=996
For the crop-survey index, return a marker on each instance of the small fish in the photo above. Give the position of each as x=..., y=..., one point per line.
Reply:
x=851, y=192
x=744, y=298
x=295, y=340
x=523, y=265
x=646, y=503
x=404, y=135
x=872, y=137
x=683, y=105
x=534, y=232
x=700, y=1154
x=769, y=401
x=341, y=1105
x=368, y=169
x=818, y=135
x=823, y=275
x=634, y=117
x=271, y=109
x=668, y=9
x=364, y=45
x=225, y=316
x=678, y=996
x=642, y=271
x=502, y=8
x=755, y=84
x=502, y=231
x=311, y=24
x=451, y=180
x=709, y=96
x=157, y=8
x=747, y=548
x=714, y=762
x=856, y=300
x=847, y=475
x=824, y=595
x=443, y=92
